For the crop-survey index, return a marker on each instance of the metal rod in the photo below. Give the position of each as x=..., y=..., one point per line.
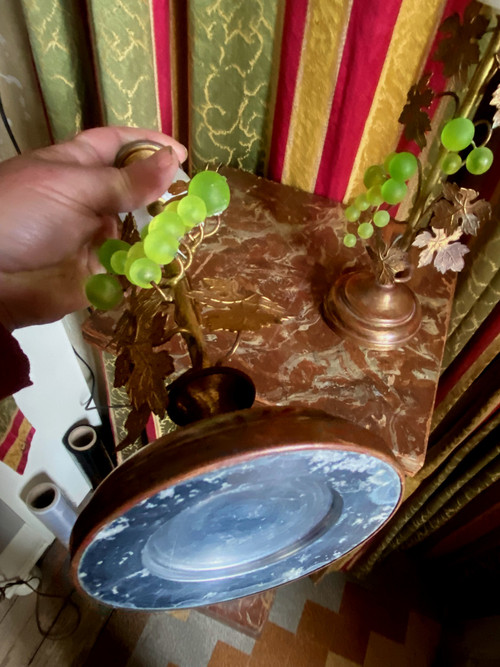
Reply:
x=484, y=71
x=186, y=318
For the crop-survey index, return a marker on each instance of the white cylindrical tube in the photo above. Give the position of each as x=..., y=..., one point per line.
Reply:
x=52, y=508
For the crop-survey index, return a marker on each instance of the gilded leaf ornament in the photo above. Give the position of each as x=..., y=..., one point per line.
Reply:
x=415, y=120
x=460, y=47
x=446, y=253
x=460, y=208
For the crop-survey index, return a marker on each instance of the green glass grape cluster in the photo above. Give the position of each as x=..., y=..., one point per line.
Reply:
x=457, y=135
x=141, y=263
x=385, y=184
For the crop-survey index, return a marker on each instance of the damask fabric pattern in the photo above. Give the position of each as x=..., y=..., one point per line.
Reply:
x=478, y=289
x=60, y=51
x=124, y=57
x=231, y=47
x=463, y=459
x=18, y=85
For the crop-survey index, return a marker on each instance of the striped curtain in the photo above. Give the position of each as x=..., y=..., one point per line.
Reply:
x=306, y=92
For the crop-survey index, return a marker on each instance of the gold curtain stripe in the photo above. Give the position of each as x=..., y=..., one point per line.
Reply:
x=15, y=453
x=415, y=27
x=322, y=47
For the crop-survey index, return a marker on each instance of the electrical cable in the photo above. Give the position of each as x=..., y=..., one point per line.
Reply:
x=91, y=398
x=8, y=128
x=66, y=601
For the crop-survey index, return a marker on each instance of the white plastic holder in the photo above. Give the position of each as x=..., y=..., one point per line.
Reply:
x=52, y=508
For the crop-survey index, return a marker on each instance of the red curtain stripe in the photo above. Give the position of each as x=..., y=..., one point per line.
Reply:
x=291, y=46
x=437, y=82
x=161, y=20
x=368, y=38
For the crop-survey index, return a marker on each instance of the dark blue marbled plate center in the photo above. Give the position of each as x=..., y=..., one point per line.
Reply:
x=239, y=530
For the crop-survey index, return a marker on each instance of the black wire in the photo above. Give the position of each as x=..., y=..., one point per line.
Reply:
x=92, y=390
x=66, y=600
x=8, y=128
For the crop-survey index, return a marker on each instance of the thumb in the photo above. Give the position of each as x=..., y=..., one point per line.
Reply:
x=139, y=183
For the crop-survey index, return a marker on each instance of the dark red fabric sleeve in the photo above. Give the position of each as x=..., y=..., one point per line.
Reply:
x=14, y=365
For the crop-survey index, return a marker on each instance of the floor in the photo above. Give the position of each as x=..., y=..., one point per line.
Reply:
x=335, y=623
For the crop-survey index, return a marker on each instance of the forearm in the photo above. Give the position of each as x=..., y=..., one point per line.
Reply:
x=15, y=367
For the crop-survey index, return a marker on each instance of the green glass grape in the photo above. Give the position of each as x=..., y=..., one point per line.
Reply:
x=212, y=187
x=107, y=249
x=161, y=247
x=172, y=206
x=135, y=252
x=361, y=202
x=393, y=191
x=479, y=160
x=451, y=163
x=374, y=195
x=143, y=272
x=352, y=213
x=119, y=261
x=168, y=222
x=103, y=291
x=192, y=210
x=457, y=134
x=387, y=161
x=374, y=175
x=144, y=231
x=350, y=240
x=365, y=230
x=381, y=218
x=403, y=166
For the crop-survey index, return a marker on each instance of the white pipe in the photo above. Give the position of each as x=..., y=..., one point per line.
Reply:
x=53, y=509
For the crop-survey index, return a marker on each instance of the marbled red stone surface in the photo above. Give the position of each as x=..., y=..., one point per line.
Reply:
x=248, y=615
x=288, y=245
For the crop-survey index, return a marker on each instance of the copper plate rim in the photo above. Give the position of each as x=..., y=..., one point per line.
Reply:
x=208, y=445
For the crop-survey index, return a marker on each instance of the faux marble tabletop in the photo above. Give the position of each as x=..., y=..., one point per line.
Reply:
x=287, y=245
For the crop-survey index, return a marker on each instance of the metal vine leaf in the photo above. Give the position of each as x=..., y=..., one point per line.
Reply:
x=495, y=102
x=388, y=260
x=234, y=306
x=416, y=121
x=135, y=425
x=139, y=367
x=460, y=48
x=129, y=230
x=441, y=249
x=460, y=210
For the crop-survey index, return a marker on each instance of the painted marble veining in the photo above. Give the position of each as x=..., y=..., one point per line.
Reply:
x=288, y=245
x=239, y=530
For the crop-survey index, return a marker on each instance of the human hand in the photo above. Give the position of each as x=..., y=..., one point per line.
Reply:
x=59, y=203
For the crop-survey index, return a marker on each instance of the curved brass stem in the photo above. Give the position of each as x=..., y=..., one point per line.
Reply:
x=187, y=320
x=215, y=228
x=231, y=351
x=486, y=68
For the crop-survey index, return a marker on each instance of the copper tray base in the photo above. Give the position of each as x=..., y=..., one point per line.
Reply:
x=233, y=506
x=381, y=317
